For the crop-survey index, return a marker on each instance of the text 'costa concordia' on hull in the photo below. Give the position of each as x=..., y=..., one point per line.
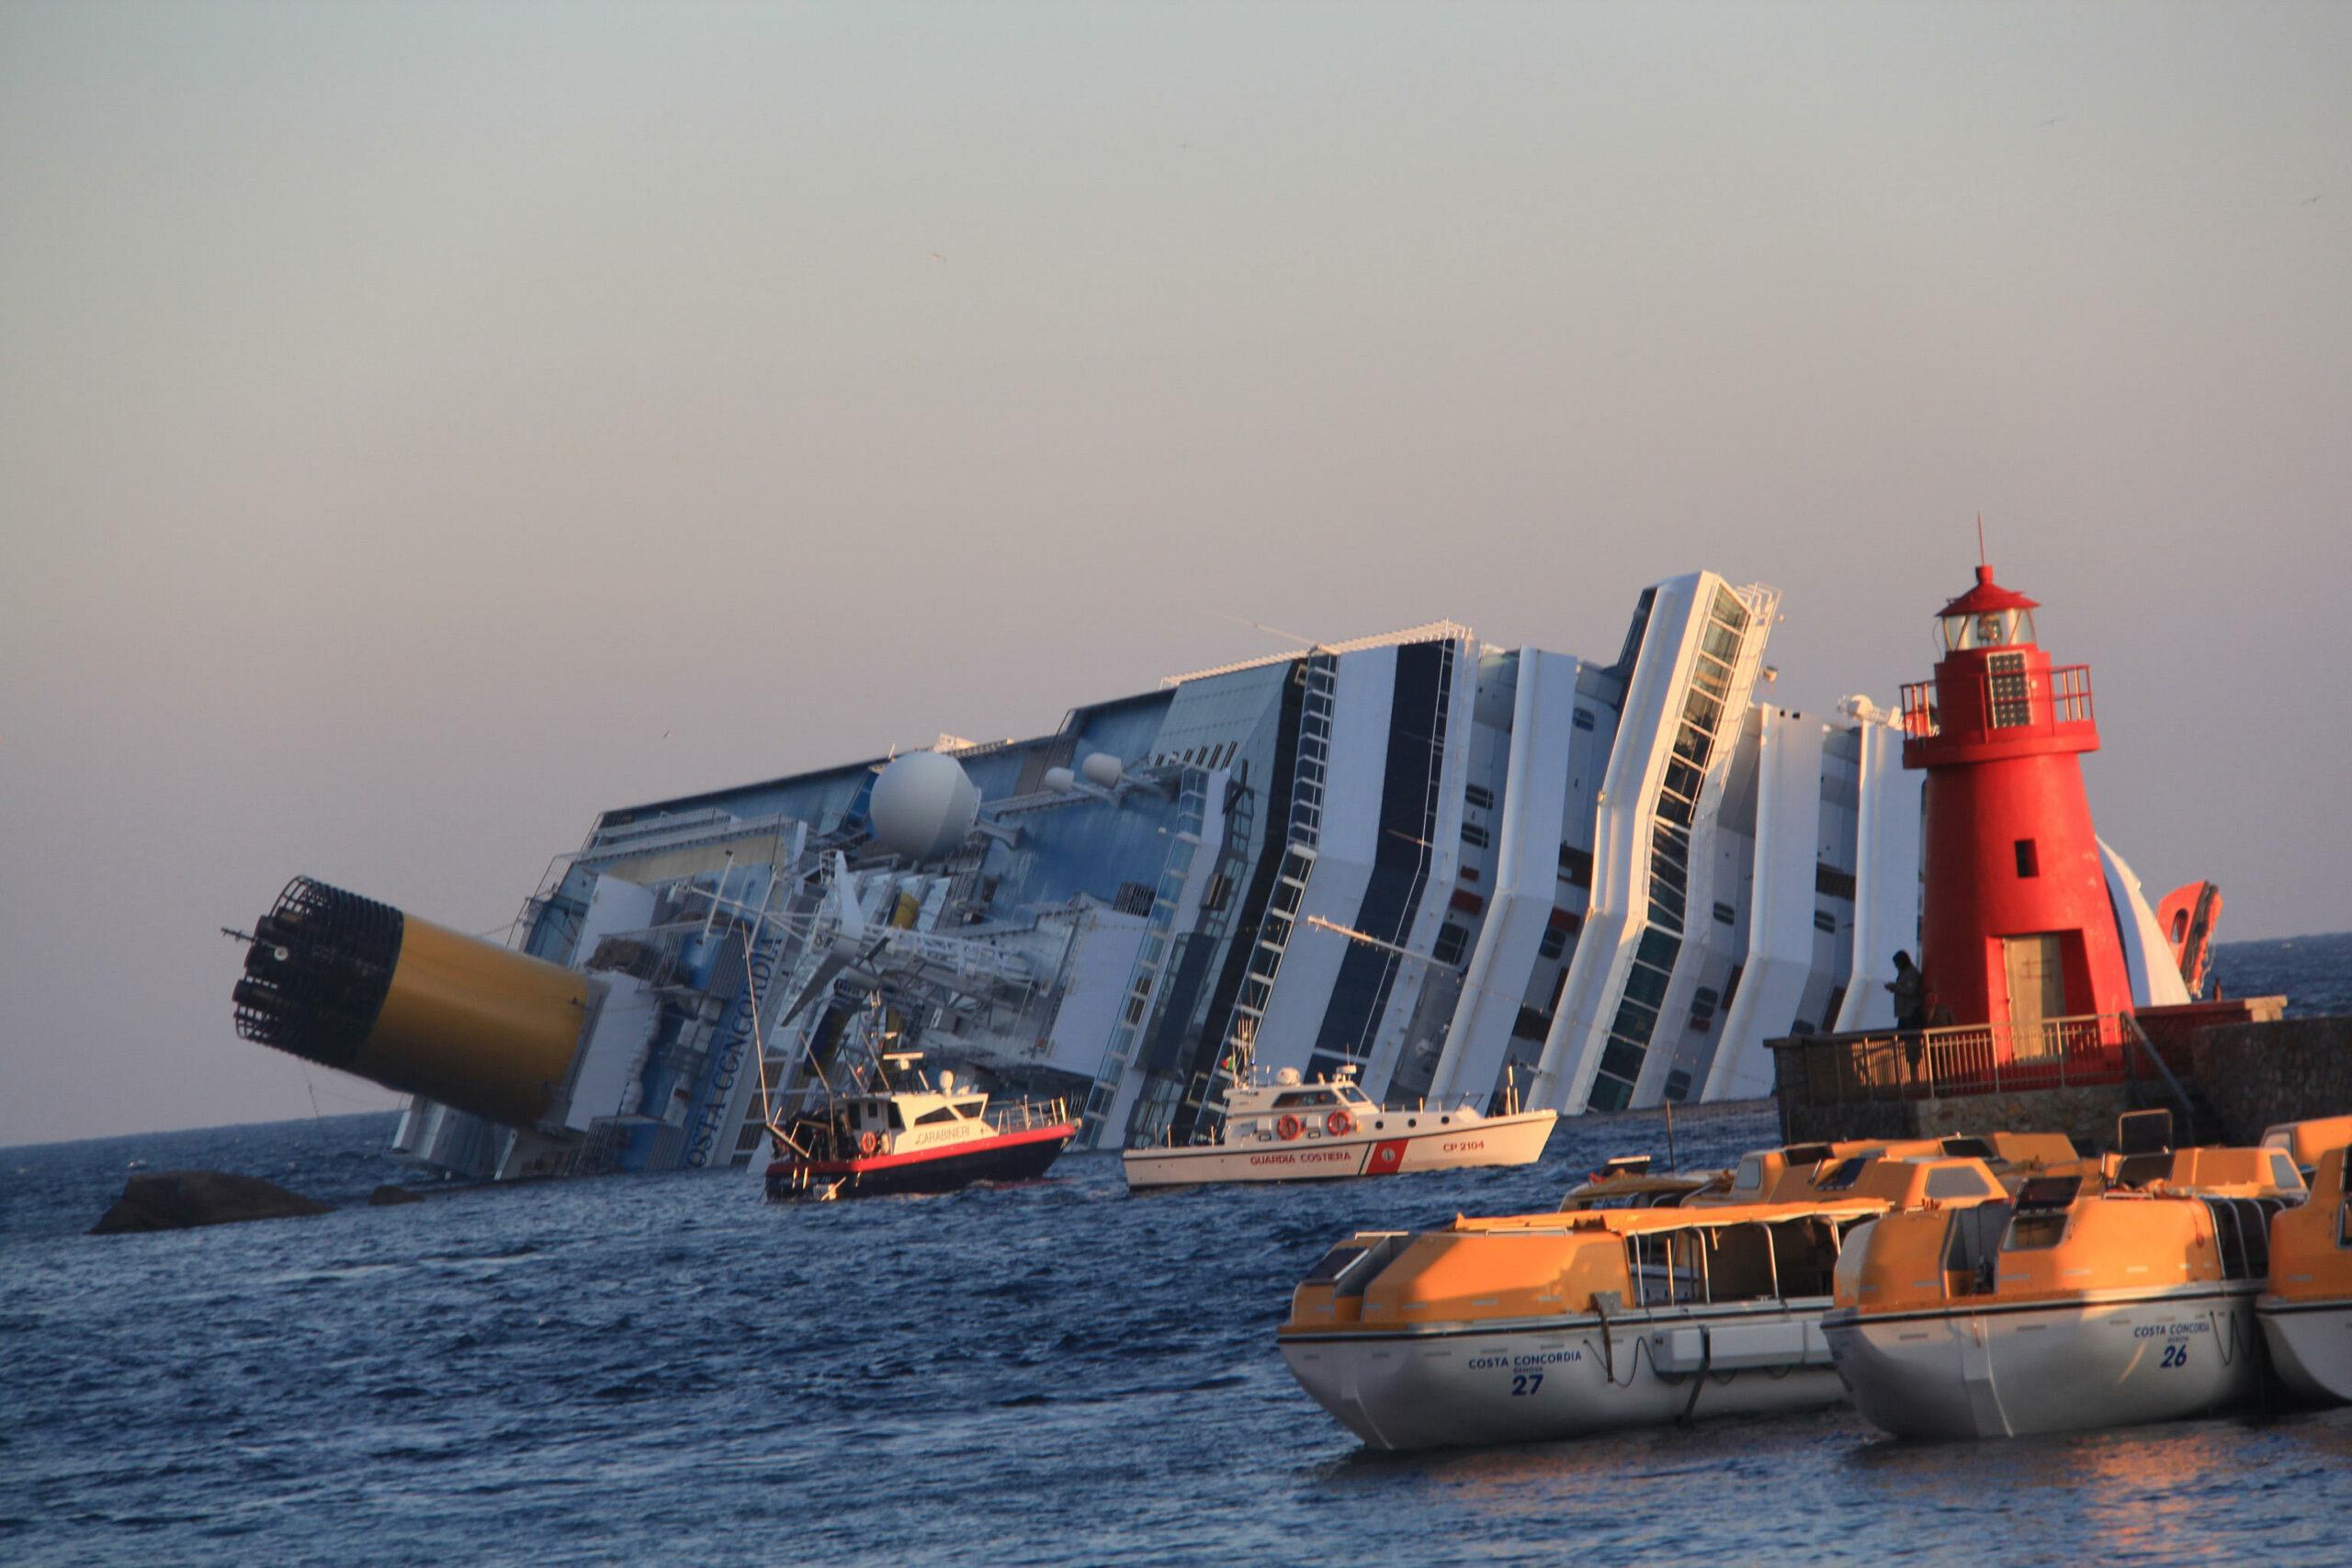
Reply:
x=1447, y=866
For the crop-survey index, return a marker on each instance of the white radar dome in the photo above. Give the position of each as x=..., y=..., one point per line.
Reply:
x=1060, y=780
x=1287, y=1077
x=1102, y=768
x=923, y=805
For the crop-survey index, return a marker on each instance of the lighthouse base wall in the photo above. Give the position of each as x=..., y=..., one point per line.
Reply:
x=2240, y=1064
x=2085, y=1115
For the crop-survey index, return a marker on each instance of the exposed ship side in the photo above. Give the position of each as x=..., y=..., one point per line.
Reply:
x=1438, y=865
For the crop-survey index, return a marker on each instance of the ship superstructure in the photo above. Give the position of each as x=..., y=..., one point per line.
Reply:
x=1431, y=865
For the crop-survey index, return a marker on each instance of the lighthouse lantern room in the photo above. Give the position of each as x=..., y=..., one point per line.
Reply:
x=2017, y=930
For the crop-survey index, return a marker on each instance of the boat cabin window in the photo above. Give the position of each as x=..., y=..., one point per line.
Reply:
x=1301, y=1098
x=1842, y=1176
x=2037, y=1230
x=1956, y=1181
x=2242, y=1235
x=931, y=1118
x=1791, y=1258
x=2044, y=1205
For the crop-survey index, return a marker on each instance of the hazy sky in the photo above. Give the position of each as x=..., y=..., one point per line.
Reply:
x=422, y=427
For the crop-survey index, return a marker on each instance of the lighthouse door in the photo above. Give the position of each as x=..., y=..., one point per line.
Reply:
x=2037, y=990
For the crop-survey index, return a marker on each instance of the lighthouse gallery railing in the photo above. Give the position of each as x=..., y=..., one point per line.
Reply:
x=1993, y=706
x=1980, y=1058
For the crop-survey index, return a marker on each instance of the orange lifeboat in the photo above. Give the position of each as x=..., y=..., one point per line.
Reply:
x=2119, y=1293
x=2306, y=1314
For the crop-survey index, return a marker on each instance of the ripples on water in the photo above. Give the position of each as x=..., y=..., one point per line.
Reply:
x=609, y=1372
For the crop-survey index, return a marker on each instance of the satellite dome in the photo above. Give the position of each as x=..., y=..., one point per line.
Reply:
x=923, y=805
x=1100, y=769
x=1287, y=1077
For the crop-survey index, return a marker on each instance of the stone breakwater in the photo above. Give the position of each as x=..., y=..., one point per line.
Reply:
x=2256, y=1075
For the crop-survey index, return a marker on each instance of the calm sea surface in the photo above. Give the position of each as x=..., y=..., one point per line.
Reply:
x=617, y=1372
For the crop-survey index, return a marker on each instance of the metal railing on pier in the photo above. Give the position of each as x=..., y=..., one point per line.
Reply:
x=1979, y=1058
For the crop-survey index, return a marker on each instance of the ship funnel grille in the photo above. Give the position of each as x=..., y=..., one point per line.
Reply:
x=317, y=972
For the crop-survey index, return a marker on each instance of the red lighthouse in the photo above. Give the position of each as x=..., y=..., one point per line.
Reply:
x=2017, y=928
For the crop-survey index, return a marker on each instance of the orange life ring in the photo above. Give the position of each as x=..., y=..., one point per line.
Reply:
x=1288, y=1128
x=868, y=1142
x=1338, y=1123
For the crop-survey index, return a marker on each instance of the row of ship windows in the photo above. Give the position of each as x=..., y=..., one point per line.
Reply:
x=1454, y=940
x=1200, y=756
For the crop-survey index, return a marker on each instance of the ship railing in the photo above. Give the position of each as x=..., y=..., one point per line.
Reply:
x=2083, y=1051
x=1020, y=1115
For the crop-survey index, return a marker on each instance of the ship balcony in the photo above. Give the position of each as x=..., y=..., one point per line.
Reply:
x=1998, y=706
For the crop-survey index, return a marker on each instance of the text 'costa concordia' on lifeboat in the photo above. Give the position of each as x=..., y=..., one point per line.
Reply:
x=1704, y=1300
x=2115, y=1294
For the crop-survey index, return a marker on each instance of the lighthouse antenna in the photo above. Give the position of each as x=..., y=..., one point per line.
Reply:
x=1980, y=541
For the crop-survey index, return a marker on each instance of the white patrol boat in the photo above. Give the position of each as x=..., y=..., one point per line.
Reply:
x=912, y=1137
x=1289, y=1129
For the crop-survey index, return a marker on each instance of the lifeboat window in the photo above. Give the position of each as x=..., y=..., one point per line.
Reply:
x=2036, y=1231
x=1353, y=1265
x=1843, y=1175
x=1751, y=1175
x=1956, y=1181
x=2344, y=1226
x=2242, y=1235
x=1805, y=1252
x=1335, y=1263
x=1741, y=1266
x=1669, y=1268
x=2283, y=1173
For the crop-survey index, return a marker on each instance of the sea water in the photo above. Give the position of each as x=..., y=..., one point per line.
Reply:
x=672, y=1369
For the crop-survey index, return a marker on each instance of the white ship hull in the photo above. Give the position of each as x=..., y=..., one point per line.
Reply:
x=2311, y=1345
x=1540, y=1382
x=1374, y=1150
x=2061, y=1367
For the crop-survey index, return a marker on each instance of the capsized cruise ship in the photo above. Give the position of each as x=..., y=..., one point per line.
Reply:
x=1439, y=865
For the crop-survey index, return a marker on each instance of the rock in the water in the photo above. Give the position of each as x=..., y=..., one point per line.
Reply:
x=387, y=1195
x=177, y=1200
